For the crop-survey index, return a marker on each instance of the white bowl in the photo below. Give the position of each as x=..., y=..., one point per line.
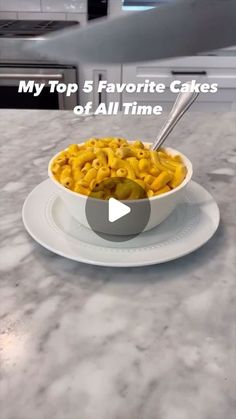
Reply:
x=161, y=205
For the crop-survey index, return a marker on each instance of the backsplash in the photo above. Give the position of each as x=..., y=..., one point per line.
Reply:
x=44, y=9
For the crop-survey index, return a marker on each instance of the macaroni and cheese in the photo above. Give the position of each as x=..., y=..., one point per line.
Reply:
x=82, y=168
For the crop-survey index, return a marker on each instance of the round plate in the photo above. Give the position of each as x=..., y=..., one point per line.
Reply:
x=191, y=225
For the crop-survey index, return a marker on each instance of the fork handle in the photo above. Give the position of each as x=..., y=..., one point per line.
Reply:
x=181, y=105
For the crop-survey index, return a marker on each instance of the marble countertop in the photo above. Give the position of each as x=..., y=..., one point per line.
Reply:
x=85, y=342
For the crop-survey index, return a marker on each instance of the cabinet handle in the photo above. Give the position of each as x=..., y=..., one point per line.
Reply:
x=100, y=93
x=99, y=97
x=22, y=76
x=188, y=73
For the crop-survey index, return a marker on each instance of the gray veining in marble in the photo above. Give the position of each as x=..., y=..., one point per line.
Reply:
x=83, y=342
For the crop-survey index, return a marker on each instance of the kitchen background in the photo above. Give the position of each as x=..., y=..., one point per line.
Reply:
x=44, y=9
x=213, y=67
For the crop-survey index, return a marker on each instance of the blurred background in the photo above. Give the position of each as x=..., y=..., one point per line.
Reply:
x=23, y=20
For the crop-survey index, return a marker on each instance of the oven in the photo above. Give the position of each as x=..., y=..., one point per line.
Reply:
x=11, y=74
x=17, y=63
x=97, y=8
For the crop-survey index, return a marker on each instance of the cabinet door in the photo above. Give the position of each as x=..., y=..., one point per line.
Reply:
x=204, y=69
x=96, y=73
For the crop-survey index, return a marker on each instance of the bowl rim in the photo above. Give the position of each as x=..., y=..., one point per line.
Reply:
x=171, y=150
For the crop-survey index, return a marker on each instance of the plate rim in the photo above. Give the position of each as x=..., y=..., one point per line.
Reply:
x=112, y=263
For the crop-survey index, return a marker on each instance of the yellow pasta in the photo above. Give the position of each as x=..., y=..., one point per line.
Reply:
x=144, y=165
x=56, y=169
x=85, y=157
x=122, y=172
x=77, y=175
x=110, y=155
x=103, y=173
x=154, y=171
x=113, y=172
x=67, y=182
x=142, y=154
x=178, y=177
x=81, y=189
x=141, y=183
x=93, y=184
x=62, y=160
x=114, y=143
x=124, y=152
x=148, y=179
x=96, y=164
x=87, y=166
x=138, y=144
x=150, y=193
x=162, y=190
x=92, y=142
x=90, y=175
x=83, y=169
x=102, y=157
x=161, y=181
x=83, y=183
x=73, y=149
x=134, y=164
x=66, y=172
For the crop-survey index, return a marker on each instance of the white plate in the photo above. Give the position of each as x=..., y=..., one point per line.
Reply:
x=191, y=225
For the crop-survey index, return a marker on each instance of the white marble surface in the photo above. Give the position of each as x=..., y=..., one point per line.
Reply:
x=83, y=342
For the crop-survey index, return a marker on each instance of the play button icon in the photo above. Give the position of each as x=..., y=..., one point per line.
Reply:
x=117, y=210
x=114, y=212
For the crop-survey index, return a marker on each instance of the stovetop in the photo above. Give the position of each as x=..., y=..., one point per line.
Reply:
x=31, y=28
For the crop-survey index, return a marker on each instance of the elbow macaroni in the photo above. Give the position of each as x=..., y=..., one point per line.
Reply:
x=81, y=168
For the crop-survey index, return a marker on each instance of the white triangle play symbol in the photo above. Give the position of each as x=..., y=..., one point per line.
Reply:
x=116, y=210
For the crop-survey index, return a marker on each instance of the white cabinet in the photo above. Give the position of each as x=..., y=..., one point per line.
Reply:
x=205, y=69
